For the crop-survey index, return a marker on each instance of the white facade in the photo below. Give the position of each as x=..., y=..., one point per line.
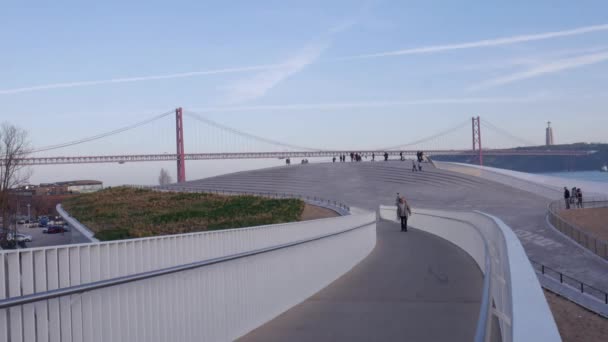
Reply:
x=85, y=188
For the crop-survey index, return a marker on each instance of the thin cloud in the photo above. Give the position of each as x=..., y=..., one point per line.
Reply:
x=486, y=42
x=141, y=78
x=544, y=69
x=259, y=84
x=365, y=104
x=529, y=61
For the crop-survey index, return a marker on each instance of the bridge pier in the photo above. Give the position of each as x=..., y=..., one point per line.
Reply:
x=181, y=160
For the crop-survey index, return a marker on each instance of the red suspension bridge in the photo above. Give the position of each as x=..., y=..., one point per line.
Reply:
x=286, y=150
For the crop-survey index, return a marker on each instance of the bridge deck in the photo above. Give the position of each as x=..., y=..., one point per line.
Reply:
x=413, y=286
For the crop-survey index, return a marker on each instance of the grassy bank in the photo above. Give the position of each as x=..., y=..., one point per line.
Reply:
x=120, y=213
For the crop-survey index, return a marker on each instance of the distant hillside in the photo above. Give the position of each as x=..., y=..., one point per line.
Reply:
x=540, y=164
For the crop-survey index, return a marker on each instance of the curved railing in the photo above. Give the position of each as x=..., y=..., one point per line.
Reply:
x=574, y=232
x=513, y=306
x=208, y=286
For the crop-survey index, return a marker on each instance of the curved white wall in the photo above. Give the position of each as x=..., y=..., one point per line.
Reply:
x=220, y=302
x=520, y=305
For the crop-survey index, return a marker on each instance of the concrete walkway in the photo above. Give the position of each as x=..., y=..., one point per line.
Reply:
x=413, y=287
x=367, y=185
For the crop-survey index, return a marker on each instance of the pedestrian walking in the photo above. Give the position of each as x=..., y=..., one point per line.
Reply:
x=403, y=211
x=373, y=157
x=419, y=167
x=401, y=156
x=414, y=167
x=567, y=197
x=385, y=156
x=334, y=159
x=579, y=198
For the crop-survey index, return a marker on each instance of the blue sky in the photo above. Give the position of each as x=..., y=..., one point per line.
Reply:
x=334, y=74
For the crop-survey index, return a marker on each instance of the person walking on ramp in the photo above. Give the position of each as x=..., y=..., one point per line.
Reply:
x=403, y=211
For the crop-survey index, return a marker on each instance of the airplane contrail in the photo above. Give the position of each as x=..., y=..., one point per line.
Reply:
x=545, y=68
x=485, y=42
x=411, y=51
x=141, y=78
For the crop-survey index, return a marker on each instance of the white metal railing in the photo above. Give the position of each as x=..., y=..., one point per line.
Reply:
x=513, y=306
x=210, y=286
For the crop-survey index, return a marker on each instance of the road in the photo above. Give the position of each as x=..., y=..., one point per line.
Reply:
x=40, y=239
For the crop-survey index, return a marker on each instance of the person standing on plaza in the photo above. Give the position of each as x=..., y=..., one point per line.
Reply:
x=579, y=198
x=403, y=211
x=567, y=197
x=573, y=196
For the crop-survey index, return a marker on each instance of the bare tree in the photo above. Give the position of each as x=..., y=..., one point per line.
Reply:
x=164, y=177
x=14, y=146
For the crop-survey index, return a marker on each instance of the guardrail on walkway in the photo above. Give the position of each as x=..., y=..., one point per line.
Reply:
x=571, y=230
x=513, y=305
x=593, y=292
x=209, y=286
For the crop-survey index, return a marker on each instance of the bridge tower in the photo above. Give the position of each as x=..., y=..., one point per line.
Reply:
x=181, y=160
x=477, y=138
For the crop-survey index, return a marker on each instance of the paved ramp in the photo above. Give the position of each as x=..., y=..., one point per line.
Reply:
x=412, y=287
x=366, y=185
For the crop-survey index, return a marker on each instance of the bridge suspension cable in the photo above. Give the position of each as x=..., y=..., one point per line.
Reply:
x=245, y=134
x=434, y=136
x=102, y=135
x=487, y=124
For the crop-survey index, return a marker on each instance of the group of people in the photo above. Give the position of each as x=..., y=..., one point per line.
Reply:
x=573, y=198
x=357, y=157
x=304, y=161
x=403, y=211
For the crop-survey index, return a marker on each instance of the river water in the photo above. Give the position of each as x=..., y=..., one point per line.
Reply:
x=594, y=176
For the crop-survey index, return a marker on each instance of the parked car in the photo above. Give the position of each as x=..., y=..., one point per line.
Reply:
x=44, y=221
x=21, y=222
x=54, y=230
x=23, y=237
x=19, y=237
